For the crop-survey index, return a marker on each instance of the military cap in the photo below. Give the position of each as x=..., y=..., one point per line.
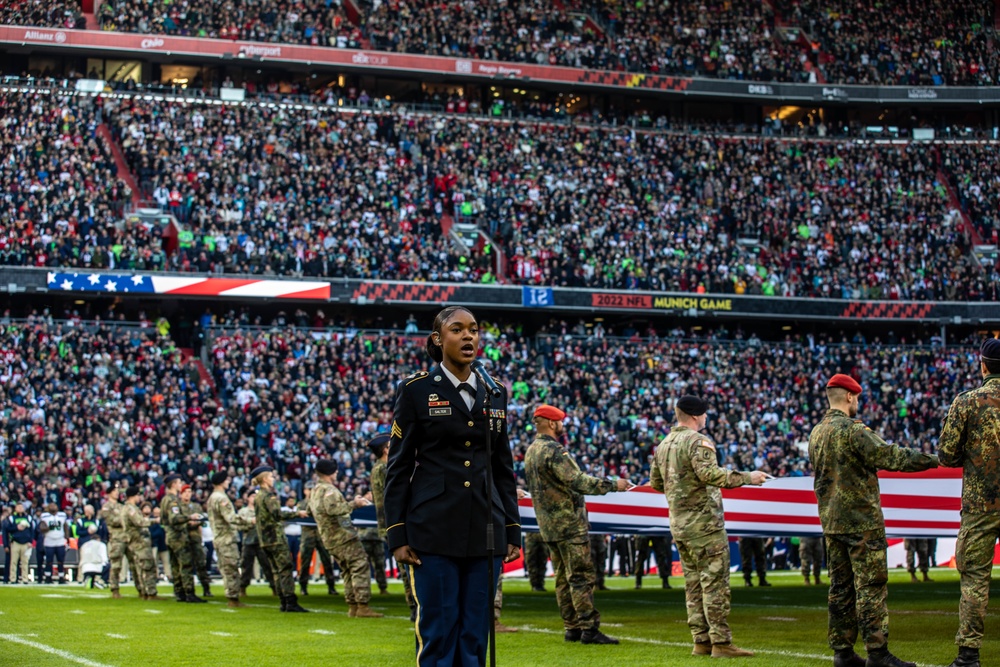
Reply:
x=550, y=412
x=844, y=382
x=169, y=479
x=326, y=466
x=250, y=490
x=132, y=491
x=378, y=443
x=260, y=470
x=219, y=478
x=692, y=405
x=990, y=349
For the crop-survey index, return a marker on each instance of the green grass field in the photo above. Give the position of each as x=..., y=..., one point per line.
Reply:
x=785, y=624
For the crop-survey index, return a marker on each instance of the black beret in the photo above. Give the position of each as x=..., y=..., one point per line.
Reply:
x=326, y=467
x=378, y=443
x=132, y=491
x=219, y=478
x=260, y=470
x=169, y=479
x=250, y=490
x=692, y=405
x=990, y=349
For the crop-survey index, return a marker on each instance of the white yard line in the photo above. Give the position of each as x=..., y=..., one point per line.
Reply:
x=65, y=655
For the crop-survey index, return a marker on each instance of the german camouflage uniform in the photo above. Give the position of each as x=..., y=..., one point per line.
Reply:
x=916, y=554
x=252, y=551
x=140, y=549
x=117, y=541
x=557, y=487
x=660, y=547
x=174, y=517
x=971, y=438
x=271, y=532
x=312, y=544
x=686, y=470
x=333, y=519
x=811, y=555
x=846, y=456
x=198, y=556
x=378, y=498
x=536, y=555
x=225, y=523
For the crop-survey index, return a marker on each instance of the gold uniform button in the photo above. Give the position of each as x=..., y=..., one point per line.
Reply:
x=467, y=485
x=468, y=444
x=468, y=463
x=472, y=423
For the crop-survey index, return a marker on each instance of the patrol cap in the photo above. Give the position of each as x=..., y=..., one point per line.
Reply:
x=378, y=444
x=550, y=412
x=692, y=405
x=260, y=470
x=326, y=467
x=219, y=478
x=845, y=382
x=170, y=479
x=990, y=349
x=132, y=491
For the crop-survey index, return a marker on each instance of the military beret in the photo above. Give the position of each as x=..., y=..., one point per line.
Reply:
x=990, y=349
x=260, y=470
x=378, y=443
x=844, y=382
x=132, y=491
x=326, y=467
x=250, y=490
x=185, y=487
x=170, y=479
x=219, y=478
x=550, y=412
x=692, y=405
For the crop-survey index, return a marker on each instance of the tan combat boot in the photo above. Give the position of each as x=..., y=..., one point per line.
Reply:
x=730, y=651
x=352, y=611
x=234, y=603
x=702, y=648
x=364, y=611
x=116, y=595
x=499, y=627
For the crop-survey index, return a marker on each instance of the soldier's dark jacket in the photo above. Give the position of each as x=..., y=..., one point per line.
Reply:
x=267, y=509
x=557, y=487
x=686, y=470
x=970, y=438
x=846, y=456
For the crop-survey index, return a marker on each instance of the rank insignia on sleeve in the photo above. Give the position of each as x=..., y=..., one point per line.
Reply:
x=396, y=432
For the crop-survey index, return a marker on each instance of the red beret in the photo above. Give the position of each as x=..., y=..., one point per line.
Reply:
x=550, y=412
x=844, y=382
x=185, y=487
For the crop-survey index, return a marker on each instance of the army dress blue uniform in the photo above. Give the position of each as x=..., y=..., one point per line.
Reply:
x=436, y=502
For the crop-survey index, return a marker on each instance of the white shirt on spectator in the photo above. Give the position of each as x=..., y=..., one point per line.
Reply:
x=93, y=557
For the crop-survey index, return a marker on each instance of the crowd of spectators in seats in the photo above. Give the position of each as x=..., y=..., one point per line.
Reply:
x=43, y=13
x=312, y=22
x=88, y=403
x=908, y=43
x=911, y=43
x=266, y=190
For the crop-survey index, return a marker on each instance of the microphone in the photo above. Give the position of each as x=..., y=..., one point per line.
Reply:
x=492, y=388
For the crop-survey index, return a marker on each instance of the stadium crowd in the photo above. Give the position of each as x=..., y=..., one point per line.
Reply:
x=914, y=43
x=910, y=44
x=87, y=404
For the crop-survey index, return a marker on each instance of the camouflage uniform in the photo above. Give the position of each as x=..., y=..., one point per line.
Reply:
x=378, y=498
x=916, y=554
x=811, y=555
x=117, y=542
x=174, y=518
x=557, y=487
x=846, y=456
x=267, y=509
x=312, y=544
x=971, y=438
x=333, y=519
x=225, y=522
x=536, y=555
x=198, y=556
x=140, y=549
x=686, y=470
x=252, y=551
